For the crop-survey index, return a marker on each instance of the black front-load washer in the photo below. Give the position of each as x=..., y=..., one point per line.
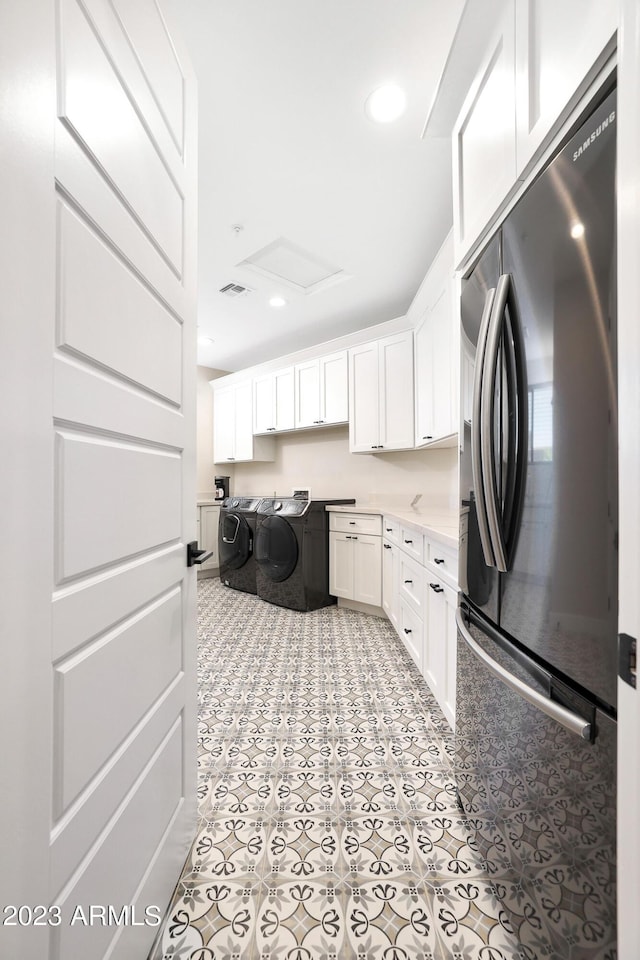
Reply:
x=236, y=535
x=292, y=552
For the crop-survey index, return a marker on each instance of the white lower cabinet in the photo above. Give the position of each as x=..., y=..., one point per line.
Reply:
x=390, y=554
x=410, y=630
x=355, y=558
x=419, y=596
x=440, y=645
x=208, y=517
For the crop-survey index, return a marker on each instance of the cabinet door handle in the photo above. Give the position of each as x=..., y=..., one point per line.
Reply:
x=270, y=428
x=373, y=446
x=389, y=529
x=407, y=630
x=436, y=587
x=387, y=546
x=408, y=581
x=230, y=458
x=408, y=541
x=438, y=560
x=354, y=538
x=428, y=438
x=352, y=522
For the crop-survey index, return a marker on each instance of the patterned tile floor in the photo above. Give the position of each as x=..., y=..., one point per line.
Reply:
x=328, y=824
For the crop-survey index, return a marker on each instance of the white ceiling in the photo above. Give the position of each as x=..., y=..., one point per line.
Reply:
x=287, y=153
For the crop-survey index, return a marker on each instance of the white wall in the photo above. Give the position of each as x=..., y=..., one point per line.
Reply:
x=204, y=442
x=321, y=459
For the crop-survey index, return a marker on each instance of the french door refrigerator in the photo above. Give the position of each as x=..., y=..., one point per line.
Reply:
x=536, y=686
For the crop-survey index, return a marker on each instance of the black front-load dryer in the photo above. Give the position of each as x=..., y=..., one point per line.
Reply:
x=236, y=536
x=292, y=553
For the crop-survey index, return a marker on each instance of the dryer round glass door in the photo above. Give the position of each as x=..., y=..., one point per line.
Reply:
x=276, y=548
x=234, y=541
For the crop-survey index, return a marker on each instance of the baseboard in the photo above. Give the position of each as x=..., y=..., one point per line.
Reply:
x=362, y=607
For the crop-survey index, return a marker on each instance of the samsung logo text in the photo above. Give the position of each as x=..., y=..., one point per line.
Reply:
x=596, y=133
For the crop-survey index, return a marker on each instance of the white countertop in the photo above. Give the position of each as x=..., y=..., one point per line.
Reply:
x=437, y=524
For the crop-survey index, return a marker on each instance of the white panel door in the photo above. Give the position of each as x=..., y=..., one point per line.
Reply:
x=396, y=392
x=98, y=363
x=334, y=388
x=629, y=472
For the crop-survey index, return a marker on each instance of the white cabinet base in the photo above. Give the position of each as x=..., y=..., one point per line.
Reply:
x=361, y=607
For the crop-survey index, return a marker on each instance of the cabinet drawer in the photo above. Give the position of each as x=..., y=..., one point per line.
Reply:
x=391, y=529
x=411, y=582
x=443, y=561
x=412, y=543
x=356, y=523
x=410, y=631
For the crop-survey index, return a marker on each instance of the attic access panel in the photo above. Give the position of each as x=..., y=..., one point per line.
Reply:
x=285, y=262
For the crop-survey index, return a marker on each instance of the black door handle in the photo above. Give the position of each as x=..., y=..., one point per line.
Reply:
x=196, y=556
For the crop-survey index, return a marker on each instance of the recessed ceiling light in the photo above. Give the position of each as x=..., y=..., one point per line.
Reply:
x=385, y=104
x=205, y=341
x=577, y=231
x=277, y=302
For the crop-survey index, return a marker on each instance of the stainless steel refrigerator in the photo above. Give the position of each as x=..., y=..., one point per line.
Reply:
x=537, y=645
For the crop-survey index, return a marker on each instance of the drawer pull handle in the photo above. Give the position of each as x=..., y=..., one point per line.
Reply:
x=436, y=588
x=438, y=560
x=408, y=541
x=387, y=546
x=408, y=581
x=407, y=630
x=389, y=529
x=352, y=522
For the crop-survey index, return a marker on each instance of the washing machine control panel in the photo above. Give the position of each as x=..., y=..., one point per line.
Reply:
x=286, y=507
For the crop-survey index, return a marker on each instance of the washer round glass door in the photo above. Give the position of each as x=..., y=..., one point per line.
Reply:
x=276, y=549
x=234, y=542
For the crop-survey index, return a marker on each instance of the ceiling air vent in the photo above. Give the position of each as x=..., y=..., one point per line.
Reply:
x=234, y=290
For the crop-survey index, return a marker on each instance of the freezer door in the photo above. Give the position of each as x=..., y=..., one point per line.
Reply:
x=558, y=597
x=540, y=803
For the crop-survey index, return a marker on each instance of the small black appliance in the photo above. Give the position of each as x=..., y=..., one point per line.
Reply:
x=221, y=485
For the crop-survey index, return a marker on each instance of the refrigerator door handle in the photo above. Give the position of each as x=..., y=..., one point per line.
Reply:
x=476, y=432
x=567, y=718
x=486, y=421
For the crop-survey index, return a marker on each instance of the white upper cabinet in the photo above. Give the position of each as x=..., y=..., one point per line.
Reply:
x=436, y=355
x=321, y=391
x=484, y=138
x=542, y=57
x=273, y=402
x=233, y=438
x=559, y=47
x=381, y=397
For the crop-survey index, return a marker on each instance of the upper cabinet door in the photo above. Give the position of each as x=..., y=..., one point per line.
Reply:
x=264, y=420
x=223, y=425
x=307, y=389
x=559, y=49
x=484, y=140
x=364, y=404
x=334, y=388
x=396, y=392
x=243, y=431
x=283, y=393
